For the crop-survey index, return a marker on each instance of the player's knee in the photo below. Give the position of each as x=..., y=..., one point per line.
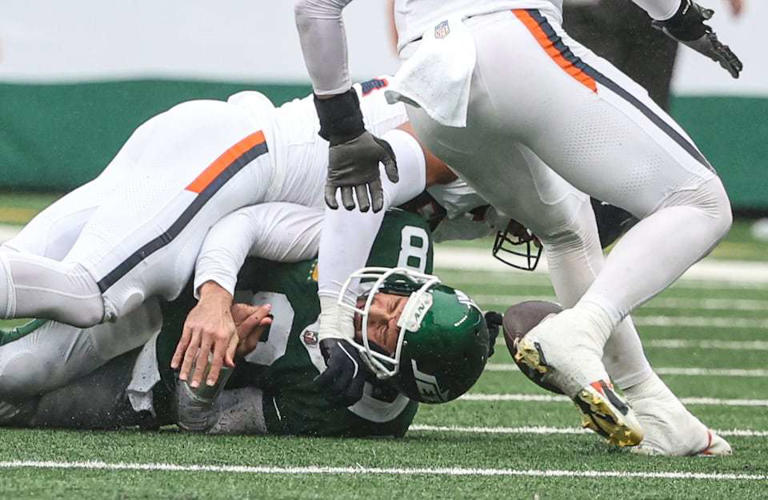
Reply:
x=711, y=204
x=722, y=207
x=573, y=230
x=23, y=376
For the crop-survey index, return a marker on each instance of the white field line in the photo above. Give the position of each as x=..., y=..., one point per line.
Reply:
x=359, y=470
x=711, y=304
x=541, y=430
x=535, y=280
x=480, y=259
x=705, y=322
x=546, y=398
x=701, y=322
x=693, y=372
x=732, y=345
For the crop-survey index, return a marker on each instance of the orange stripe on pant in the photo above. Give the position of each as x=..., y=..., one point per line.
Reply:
x=554, y=53
x=221, y=163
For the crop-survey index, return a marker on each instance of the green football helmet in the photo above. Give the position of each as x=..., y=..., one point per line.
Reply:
x=443, y=342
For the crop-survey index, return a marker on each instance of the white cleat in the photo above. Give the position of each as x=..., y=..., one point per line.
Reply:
x=670, y=429
x=562, y=351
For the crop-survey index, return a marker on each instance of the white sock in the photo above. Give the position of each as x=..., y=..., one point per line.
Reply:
x=624, y=358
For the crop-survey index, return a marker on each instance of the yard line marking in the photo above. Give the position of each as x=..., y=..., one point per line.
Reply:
x=670, y=370
x=543, y=430
x=733, y=345
x=513, y=280
x=701, y=322
x=359, y=470
x=480, y=259
x=710, y=304
x=546, y=398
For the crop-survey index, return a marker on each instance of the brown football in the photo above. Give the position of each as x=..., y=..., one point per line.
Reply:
x=519, y=320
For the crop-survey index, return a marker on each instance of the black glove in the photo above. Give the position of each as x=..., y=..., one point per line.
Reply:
x=343, y=380
x=354, y=155
x=687, y=26
x=493, y=321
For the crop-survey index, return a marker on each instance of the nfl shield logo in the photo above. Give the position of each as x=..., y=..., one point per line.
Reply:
x=442, y=30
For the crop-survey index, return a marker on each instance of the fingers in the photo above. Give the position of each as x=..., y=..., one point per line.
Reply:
x=361, y=191
x=389, y=160
x=229, y=355
x=181, y=348
x=246, y=312
x=724, y=56
x=190, y=355
x=390, y=167
x=201, y=363
x=330, y=197
x=377, y=195
x=219, y=352
x=346, y=197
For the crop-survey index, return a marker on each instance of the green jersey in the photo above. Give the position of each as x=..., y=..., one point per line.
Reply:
x=288, y=358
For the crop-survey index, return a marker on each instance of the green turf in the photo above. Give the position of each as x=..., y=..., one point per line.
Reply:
x=449, y=449
x=431, y=449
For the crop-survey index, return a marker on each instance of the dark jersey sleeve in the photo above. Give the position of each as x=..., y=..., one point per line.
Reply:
x=287, y=359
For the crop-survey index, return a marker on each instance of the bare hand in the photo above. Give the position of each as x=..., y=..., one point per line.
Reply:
x=209, y=337
x=251, y=323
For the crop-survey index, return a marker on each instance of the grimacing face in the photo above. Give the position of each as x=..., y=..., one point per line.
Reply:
x=383, y=315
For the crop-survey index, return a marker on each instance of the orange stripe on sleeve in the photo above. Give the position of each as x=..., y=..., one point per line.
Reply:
x=221, y=163
x=554, y=53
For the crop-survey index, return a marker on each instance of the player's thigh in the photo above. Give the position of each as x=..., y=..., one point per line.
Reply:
x=580, y=115
x=203, y=160
x=507, y=174
x=55, y=354
x=53, y=232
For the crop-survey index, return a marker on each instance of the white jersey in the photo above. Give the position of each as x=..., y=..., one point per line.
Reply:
x=414, y=17
x=301, y=155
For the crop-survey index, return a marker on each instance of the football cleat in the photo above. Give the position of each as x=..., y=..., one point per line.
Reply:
x=561, y=352
x=603, y=411
x=670, y=429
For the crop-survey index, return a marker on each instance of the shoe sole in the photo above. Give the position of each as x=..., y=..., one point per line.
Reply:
x=601, y=409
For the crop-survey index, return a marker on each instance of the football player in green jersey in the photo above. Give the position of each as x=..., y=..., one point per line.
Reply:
x=410, y=353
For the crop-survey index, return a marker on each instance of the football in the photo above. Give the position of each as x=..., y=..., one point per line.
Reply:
x=520, y=319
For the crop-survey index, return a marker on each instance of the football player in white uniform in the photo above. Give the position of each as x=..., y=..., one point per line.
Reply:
x=500, y=92
x=134, y=232
x=99, y=216
x=437, y=354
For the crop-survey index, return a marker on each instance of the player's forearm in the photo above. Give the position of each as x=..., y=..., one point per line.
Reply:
x=224, y=250
x=347, y=236
x=324, y=44
x=345, y=243
x=659, y=9
x=289, y=232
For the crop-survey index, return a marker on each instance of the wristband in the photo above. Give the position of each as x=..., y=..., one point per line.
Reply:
x=340, y=117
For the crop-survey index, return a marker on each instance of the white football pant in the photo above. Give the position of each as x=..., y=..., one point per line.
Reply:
x=547, y=119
